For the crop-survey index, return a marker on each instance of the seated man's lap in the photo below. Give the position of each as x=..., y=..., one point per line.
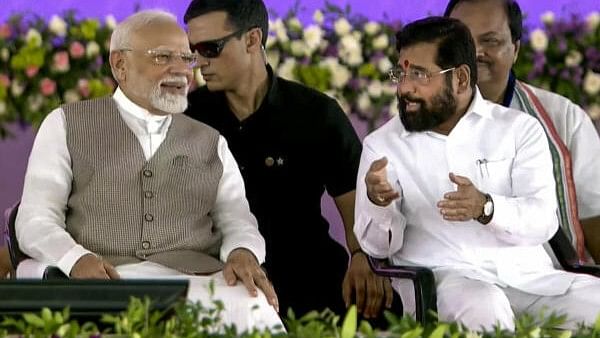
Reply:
x=241, y=309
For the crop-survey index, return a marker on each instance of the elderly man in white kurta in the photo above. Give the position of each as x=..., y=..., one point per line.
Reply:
x=464, y=186
x=128, y=187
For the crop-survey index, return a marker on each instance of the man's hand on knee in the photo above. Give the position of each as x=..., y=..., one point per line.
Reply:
x=91, y=266
x=241, y=264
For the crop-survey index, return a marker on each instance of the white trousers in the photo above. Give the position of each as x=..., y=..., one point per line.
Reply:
x=482, y=305
x=241, y=309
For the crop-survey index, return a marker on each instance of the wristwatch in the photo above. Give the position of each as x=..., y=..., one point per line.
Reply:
x=488, y=210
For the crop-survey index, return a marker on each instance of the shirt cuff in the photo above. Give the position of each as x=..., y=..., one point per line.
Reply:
x=260, y=256
x=66, y=263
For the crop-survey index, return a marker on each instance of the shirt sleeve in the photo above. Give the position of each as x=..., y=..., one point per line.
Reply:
x=379, y=230
x=231, y=213
x=528, y=217
x=584, y=146
x=40, y=225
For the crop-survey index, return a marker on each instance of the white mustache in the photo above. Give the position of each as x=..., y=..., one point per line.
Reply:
x=175, y=79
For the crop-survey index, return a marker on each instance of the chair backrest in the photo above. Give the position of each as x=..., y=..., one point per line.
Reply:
x=16, y=255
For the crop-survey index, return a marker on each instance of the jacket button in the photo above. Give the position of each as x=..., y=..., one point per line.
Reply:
x=149, y=217
x=146, y=245
x=148, y=194
x=148, y=173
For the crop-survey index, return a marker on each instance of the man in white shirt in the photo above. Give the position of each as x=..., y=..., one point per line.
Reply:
x=572, y=137
x=464, y=186
x=127, y=187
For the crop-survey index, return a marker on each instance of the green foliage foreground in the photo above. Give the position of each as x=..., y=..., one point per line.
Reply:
x=196, y=321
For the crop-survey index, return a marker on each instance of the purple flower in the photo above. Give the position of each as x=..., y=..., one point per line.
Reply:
x=58, y=41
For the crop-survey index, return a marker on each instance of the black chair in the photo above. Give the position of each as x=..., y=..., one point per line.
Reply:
x=424, y=280
x=17, y=256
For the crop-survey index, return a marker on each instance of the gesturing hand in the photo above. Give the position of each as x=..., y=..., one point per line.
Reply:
x=90, y=266
x=241, y=264
x=464, y=204
x=379, y=190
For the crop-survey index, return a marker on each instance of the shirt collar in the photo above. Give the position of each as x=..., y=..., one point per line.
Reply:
x=129, y=107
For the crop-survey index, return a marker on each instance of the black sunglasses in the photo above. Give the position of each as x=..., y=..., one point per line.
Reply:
x=213, y=48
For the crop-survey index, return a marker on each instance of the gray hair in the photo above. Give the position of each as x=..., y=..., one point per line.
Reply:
x=121, y=36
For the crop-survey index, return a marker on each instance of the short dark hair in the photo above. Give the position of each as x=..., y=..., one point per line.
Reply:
x=513, y=13
x=455, y=43
x=241, y=14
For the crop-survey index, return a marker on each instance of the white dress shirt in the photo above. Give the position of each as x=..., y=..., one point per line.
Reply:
x=503, y=152
x=40, y=224
x=577, y=131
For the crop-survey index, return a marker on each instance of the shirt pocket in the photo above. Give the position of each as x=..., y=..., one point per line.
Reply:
x=494, y=174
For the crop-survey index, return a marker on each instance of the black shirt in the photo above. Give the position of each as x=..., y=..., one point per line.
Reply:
x=298, y=144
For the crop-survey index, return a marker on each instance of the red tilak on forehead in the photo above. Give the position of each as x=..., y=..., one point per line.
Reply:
x=406, y=63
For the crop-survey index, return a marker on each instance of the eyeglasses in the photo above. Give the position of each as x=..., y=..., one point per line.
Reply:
x=420, y=76
x=162, y=57
x=213, y=48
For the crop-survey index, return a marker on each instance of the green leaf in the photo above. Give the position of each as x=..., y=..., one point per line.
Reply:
x=33, y=319
x=349, y=324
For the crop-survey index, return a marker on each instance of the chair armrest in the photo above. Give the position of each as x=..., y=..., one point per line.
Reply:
x=593, y=270
x=423, y=280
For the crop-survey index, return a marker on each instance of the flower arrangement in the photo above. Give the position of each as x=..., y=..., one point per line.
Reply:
x=49, y=63
x=46, y=63
x=348, y=59
x=564, y=57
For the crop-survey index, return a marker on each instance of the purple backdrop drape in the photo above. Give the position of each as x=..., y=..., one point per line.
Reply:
x=14, y=152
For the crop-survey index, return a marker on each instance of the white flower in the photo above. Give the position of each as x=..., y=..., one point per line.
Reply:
x=384, y=65
x=593, y=20
x=357, y=35
x=364, y=102
x=591, y=83
x=33, y=37
x=381, y=42
x=594, y=111
x=350, y=50
x=375, y=89
x=198, y=77
x=2, y=108
x=340, y=75
x=313, y=35
x=110, y=22
x=573, y=58
x=295, y=24
x=343, y=103
x=92, y=49
x=280, y=31
x=394, y=107
x=4, y=54
x=17, y=88
x=35, y=102
x=271, y=40
x=547, y=17
x=71, y=95
x=390, y=88
x=299, y=48
x=286, y=69
x=342, y=27
x=372, y=27
x=318, y=17
x=57, y=25
x=273, y=58
x=538, y=40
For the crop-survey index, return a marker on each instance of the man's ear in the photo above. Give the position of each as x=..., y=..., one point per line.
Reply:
x=517, y=48
x=254, y=40
x=117, y=65
x=463, y=74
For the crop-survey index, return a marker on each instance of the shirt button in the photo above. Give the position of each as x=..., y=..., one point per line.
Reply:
x=148, y=173
x=148, y=194
x=242, y=168
x=240, y=128
x=146, y=245
x=149, y=217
